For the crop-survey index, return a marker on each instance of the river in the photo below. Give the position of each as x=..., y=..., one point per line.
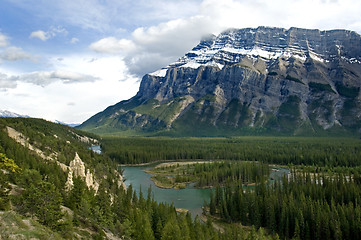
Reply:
x=189, y=198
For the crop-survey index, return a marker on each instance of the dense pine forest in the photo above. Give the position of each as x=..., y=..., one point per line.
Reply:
x=330, y=152
x=306, y=206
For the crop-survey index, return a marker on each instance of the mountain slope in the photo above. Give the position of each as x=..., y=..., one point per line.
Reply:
x=249, y=81
x=54, y=192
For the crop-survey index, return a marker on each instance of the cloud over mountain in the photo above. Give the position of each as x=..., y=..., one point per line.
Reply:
x=150, y=48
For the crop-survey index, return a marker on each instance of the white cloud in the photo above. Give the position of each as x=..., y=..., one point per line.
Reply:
x=151, y=48
x=52, y=32
x=105, y=16
x=46, y=78
x=75, y=101
x=39, y=34
x=6, y=82
x=12, y=53
x=113, y=45
x=74, y=40
x=3, y=40
x=15, y=54
x=157, y=46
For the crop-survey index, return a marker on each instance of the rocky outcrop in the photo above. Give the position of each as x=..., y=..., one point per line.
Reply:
x=77, y=169
x=24, y=141
x=69, y=182
x=287, y=81
x=120, y=181
x=85, y=139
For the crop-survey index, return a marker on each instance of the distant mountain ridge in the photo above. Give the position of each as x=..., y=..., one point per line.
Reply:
x=67, y=124
x=6, y=113
x=9, y=114
x=249, y=81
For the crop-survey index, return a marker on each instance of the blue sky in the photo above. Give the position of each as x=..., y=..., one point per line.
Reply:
x=69, y=59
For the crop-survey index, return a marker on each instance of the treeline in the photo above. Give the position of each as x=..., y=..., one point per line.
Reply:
x=329, y=152
x=306, y=206
x=219, y=173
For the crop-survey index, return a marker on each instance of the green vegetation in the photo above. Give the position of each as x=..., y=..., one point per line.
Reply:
x=7, y=167
x=236, y=114
x=37, y=182
x=177, y=175
x=288, y=77
x=286, y=150
x=308, y=206
x=15, y=226
x=164, y=182
x=273, y=73
x=42, y=208
x=320, y=87
x=164, y=111
x=320, y=200
x=349, y=92
x=289, y=114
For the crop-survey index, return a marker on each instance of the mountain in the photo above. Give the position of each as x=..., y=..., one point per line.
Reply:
x=67, y=124
x=6, y=113
x=249, y=81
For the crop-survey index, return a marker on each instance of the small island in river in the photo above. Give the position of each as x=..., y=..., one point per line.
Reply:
x=178, y=175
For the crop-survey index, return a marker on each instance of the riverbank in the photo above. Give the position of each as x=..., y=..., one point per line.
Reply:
x=170, y=162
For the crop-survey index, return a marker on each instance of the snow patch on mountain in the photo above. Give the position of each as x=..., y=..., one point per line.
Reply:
x=6, y=113
x=268, y=44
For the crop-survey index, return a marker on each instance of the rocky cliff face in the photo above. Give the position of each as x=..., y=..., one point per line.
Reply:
x=77, y=169
x=246, y=81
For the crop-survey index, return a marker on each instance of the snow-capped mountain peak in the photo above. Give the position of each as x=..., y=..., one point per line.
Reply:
x=267, y=44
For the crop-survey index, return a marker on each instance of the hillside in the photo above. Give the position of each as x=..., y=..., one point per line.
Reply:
x=261, y=81
x=52, y=186
x=54, y=164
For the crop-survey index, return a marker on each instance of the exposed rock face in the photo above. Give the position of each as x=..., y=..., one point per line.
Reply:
x=77, y=169
x=24, y=141
x=69, y=182
x=90, y=181
x=294, y=81
x=120, y=181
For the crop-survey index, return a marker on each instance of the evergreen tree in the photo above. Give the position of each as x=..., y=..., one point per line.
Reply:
x=43, y=200
x=171, y=230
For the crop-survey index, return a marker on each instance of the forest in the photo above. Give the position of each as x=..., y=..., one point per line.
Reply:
x=304, y=206
x=330, y=152
x=319, y=200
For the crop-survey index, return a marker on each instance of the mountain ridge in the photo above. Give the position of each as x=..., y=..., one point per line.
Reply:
x=6, y=113
x=249, y=81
